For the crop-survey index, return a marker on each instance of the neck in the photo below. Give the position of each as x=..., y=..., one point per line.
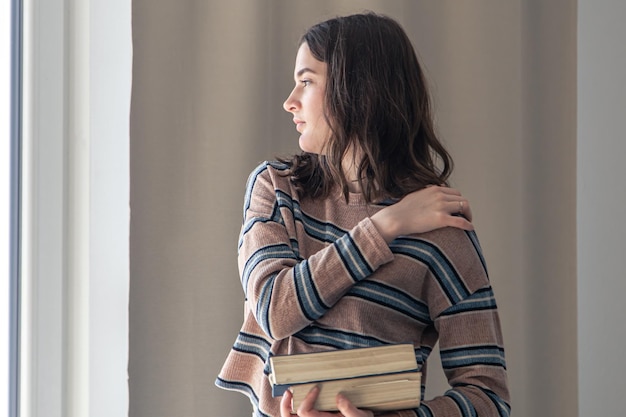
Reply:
x=354, y=186
x=350, y=170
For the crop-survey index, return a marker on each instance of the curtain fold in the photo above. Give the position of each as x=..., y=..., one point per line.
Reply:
x=209, y=82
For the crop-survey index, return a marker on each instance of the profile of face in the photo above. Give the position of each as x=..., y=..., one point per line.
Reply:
x=306, y=101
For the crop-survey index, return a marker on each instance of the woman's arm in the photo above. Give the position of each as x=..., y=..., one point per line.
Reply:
x=286, y=293
x=465, y=316
x=422, y=211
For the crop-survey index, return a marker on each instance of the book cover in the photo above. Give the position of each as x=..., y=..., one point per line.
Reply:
x=289, y=370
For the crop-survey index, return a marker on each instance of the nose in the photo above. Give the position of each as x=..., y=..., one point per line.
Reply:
x=291, y=104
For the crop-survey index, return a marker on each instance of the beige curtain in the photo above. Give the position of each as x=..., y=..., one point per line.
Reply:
x=209, y=79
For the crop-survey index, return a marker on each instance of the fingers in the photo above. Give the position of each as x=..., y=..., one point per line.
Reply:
x=454, y=208
x=467, y=213
x=460, y=223
x=347, y=409
x=285, y=404
x=309, y=400
x=440, y=193
x=443, y=189
x=307, y=407
x=460, y=215
x=460, y=206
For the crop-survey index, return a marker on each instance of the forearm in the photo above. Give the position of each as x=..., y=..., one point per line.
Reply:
x=287, y=293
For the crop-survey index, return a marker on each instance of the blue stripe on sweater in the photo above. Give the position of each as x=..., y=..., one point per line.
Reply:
x=424, y=411
x=336, y=339
x=393, y=298
x=263, y=303
x=250, y=186
x=309, y=299
x=275, y=217
x=422, y=354
x=438, y=264
x=504, y=409
x=482, y=299
x=279, y=251
x=352, y=258
x=253, y=177
x=243, y=388
x=252, y=344
x=474, y=239
x=321, y=231
x=473, y=356
x=465, y=405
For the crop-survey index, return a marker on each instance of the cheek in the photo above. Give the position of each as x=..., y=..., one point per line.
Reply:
x=320, y=118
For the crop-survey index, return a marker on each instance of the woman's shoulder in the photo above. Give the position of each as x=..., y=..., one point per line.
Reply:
x=447, y=249
x=452, y=241
x=270, y=168
x=273, y=175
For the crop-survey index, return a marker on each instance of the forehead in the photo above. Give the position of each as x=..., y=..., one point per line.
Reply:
x=306, y=62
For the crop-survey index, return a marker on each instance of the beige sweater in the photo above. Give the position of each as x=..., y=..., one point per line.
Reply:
x=317, y=275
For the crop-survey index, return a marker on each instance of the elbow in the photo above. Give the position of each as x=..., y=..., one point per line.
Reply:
x=278, y=322
x=276, y=328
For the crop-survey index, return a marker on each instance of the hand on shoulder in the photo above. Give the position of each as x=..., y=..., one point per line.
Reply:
x=424, y=210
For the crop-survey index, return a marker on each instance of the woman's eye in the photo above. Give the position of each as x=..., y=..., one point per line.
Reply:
x=305, y=82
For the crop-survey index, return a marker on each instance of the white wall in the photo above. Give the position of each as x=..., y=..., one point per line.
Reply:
x=74, y=301
x=601, y=203
x=110, y=66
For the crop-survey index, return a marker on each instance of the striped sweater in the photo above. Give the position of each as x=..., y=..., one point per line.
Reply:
x=317, y=275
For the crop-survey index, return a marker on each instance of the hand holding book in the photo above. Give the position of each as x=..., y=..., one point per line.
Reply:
x=378, y=378
x=306, y=409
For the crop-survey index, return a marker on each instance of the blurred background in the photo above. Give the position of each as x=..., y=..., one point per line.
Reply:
x=209, y=79
x=135, y=123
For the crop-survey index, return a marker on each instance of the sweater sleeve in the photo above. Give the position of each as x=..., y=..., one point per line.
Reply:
x=284, y=292
x=465, y=315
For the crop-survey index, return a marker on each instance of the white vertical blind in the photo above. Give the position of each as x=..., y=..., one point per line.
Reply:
x=77, y=72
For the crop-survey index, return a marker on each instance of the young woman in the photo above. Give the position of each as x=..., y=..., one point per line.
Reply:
x=357, y=241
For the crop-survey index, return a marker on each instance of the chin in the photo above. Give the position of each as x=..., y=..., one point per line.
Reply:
x=306, y=147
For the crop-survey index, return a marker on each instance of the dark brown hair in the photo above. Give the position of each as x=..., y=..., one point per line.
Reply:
x=376, y=99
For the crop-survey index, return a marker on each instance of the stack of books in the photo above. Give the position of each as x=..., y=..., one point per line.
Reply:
x=380, y=378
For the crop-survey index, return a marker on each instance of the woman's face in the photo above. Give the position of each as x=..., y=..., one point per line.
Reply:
x=306, y=102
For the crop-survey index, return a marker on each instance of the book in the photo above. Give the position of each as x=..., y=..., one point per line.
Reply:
x=377, y=377
x=377, y=393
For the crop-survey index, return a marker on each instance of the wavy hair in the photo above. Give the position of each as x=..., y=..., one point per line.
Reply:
x=376, y=101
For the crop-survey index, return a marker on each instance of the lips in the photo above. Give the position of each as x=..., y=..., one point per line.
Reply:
x=299, y=123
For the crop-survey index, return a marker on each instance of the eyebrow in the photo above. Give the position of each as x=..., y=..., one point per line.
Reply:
x=303, y=70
